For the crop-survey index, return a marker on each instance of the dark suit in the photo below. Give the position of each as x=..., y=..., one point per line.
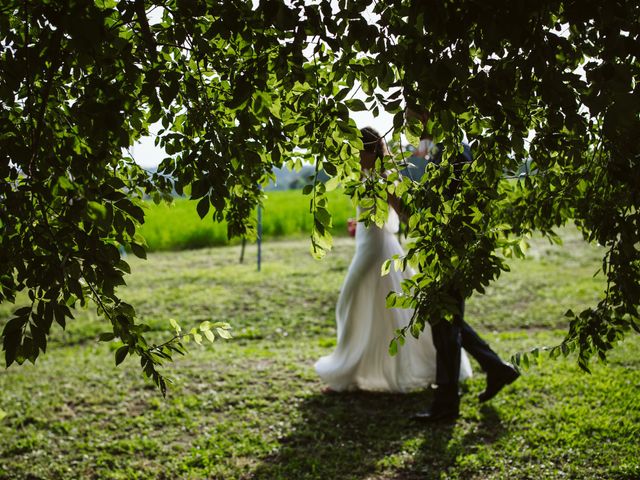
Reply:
x=450, y=337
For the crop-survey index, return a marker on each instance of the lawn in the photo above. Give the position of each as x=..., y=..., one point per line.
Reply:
x=177, y=226
x=252, y=407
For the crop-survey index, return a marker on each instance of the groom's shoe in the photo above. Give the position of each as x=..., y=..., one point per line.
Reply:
x=497, y=380
x=440, y=411
x=439, y=414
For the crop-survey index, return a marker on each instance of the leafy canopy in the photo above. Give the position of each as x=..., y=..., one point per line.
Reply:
x=239, y=88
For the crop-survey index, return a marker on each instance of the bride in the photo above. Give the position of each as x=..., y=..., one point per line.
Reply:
x=365, y=327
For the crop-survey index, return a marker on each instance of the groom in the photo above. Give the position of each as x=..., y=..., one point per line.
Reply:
x=450, y=337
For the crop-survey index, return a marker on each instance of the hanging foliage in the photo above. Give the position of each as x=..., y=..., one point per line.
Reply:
x=239, y=88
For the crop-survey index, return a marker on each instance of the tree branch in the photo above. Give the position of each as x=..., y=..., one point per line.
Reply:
x=147, y=36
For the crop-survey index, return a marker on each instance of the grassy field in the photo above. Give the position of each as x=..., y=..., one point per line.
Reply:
x=252, y=408
x=286, y=214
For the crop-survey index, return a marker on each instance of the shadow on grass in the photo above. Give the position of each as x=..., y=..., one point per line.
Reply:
x=440, y=450
x=359, y=435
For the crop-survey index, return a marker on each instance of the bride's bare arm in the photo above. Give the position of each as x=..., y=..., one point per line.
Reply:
x=396, y=203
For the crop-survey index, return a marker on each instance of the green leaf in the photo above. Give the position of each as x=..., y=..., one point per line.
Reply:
x=223, y=333
x=124, y=266
x=386, y=267
x=138, y=250
x=355, y=105
x=332, y=183
x=64, y=183
x=342, y=94
x=330, y=168
x=323, y=216
x=121, y=354
x=224, y=325
x=175, y=325
x=106, y=337
x=203, y=207
x=393, y=347
x=22, y=312
x=96, y=210
x=390, y=300
x=209, y=335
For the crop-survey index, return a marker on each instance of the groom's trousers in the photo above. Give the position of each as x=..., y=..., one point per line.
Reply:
x=449, y=338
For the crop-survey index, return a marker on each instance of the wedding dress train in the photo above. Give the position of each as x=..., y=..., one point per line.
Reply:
x=365, y=327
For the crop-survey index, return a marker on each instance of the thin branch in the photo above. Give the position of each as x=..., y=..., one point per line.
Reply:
x=147, y=36
x=177, y=336
x=98, y=300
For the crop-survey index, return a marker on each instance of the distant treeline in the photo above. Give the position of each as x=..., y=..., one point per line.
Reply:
x=287, y=179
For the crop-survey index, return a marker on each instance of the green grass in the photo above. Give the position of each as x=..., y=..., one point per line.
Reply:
x=251, y=408
x=286, y=214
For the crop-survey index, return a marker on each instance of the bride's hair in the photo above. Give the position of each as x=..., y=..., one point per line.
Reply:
x=373, y=142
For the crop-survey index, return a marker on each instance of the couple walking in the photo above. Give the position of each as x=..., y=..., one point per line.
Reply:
x=365, y=327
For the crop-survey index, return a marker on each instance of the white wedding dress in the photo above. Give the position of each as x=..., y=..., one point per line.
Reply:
x=365, y=326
